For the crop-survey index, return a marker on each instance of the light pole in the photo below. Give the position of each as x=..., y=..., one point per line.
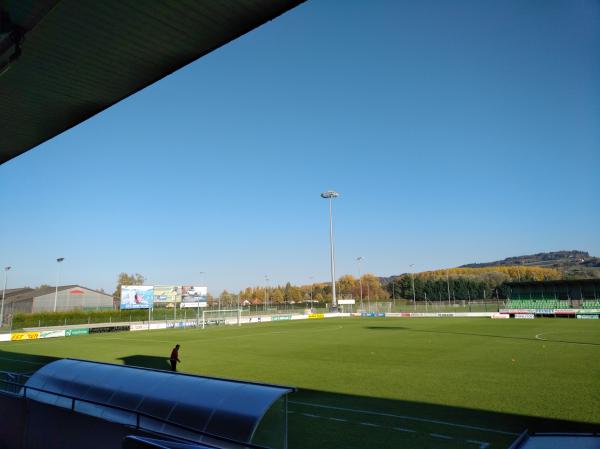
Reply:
x=448, y=284
x=412, y=275
x=358, y=259
x=3, y=293
x=266, y=293
x=58, y=261
x=198, y=302
x=311, y=291
x=330, y=195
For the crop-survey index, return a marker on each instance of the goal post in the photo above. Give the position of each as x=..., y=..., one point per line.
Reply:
x=222, y=317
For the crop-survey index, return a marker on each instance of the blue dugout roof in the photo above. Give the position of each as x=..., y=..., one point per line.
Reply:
x=161, y=401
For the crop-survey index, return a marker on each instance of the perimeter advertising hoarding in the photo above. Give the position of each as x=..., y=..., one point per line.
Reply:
x=137, y=297
x=167, y=293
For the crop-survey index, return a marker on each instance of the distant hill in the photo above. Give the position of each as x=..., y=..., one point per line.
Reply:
x=555, y=259
x=572, y=263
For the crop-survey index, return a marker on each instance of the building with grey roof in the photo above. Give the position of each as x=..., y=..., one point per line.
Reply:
x=69, y=297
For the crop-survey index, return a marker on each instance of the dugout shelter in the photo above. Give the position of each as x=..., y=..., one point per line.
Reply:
x=74, y=403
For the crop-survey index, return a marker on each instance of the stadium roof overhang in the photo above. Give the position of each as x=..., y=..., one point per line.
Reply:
x=63, y=61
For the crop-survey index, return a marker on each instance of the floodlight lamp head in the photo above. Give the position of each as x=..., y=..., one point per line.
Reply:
x=330, y=194
x=60, y=259
x=7, y=268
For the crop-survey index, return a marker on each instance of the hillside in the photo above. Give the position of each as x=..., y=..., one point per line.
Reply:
x=555, y=259
x=571, y=264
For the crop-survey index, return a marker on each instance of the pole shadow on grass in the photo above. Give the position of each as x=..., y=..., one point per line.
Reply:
x=400, y=328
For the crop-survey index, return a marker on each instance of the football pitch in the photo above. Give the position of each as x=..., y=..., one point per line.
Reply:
x=382, y=382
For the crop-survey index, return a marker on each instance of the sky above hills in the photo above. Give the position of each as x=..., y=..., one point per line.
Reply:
x=455, y=132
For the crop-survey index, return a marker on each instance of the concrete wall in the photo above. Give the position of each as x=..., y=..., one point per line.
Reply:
x=73, y=298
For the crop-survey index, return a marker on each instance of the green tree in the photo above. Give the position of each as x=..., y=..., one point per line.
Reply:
x=128, y=279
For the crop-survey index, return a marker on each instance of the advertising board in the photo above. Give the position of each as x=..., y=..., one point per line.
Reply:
x=106, y=329
x=587, y=317
x=281, y=317
x=75, y=332
x=500, y=316
x=4, y=337
x=52, y=334
x=137, y=297
x=17, y=336
x=195, y=304
x=316, y=315
x=167, y=293
x=564, y=311
x=525, y=316
x=346, y=301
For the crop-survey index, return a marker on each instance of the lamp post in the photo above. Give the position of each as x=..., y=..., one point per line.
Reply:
x=266, y=294
x=448, y=284
x=358, y=259
x=311, y=291
x=330, y=195
x=58, y=261
x=412, y=275
x=3, y=294
x=198, y=302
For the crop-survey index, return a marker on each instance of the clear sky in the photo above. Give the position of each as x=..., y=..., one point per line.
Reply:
x=455, y=132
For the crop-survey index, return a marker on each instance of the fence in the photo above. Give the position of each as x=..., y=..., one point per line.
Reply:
x=174, y=314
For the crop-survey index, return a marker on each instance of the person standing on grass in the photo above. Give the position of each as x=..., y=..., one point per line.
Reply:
x=174, y=358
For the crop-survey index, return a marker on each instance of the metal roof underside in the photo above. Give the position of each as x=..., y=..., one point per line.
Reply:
x=63, y=61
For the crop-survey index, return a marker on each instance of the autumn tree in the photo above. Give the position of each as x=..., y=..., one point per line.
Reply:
x=127, y=279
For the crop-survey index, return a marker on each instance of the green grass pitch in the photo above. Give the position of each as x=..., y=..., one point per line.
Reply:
x=382, y=382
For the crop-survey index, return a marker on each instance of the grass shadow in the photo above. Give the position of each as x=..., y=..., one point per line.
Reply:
x=147, y=361
x=23, y=363
x=353, y=421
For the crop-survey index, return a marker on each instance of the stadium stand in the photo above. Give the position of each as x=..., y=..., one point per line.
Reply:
x=538, y=303
x=591, y=304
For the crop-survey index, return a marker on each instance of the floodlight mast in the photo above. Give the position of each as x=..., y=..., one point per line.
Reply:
x=58, y=261
x=330, y=194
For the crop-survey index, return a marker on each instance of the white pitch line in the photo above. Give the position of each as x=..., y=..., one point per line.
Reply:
x=310, y=415
x=411, y=418
x=338, y=419
x=538, y=336
x=369, y=424
x=482, y=444
x=443, y=437
x=402, y=429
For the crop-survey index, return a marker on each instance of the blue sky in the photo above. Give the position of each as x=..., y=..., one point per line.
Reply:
x=455, y=132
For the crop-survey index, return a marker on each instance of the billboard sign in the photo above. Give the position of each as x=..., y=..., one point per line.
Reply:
x=137, y=297
x=196, y=304
x=191, y=293
x=167, y=293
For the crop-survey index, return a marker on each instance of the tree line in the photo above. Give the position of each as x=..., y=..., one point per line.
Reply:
x=463, y=284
